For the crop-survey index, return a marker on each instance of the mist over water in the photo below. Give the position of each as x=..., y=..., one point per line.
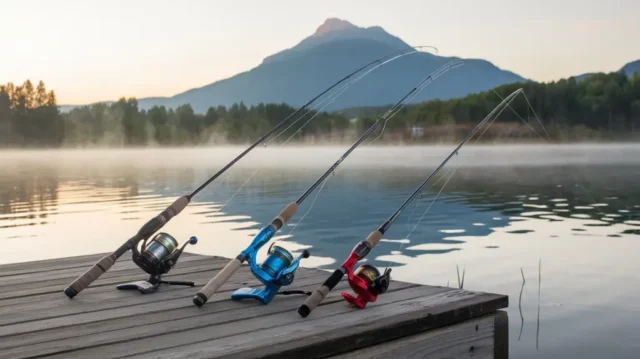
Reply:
x=575, y=208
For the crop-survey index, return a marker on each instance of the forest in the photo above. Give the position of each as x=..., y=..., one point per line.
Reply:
x=600, y=107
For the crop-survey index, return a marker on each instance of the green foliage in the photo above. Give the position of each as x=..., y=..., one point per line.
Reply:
x=603, y=106
x=124, y=124
x=29, y=117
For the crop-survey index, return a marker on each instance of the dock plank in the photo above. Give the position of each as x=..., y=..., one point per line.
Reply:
x=56, y=286
x=62, y=277
x=119, y=304
x=122, y=266
x=37, y=320
x=332, y=332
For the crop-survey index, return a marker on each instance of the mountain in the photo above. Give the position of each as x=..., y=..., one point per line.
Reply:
x=338, y=47
x=629, y=69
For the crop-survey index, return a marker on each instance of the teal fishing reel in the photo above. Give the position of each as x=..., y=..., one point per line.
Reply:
x=276, y=271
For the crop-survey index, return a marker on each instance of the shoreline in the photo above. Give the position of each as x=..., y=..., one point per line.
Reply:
x=329, y=144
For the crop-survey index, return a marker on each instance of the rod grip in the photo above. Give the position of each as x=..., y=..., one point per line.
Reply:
x=320, y=293
x=373, y=238
x=91, y=275
x=174, y=209
x=157, y=222
x=216, y=282
x=285, y=215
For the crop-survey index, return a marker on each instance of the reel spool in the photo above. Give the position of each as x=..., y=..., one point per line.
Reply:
x=367, y=283
x=276, y=271
x=157, y=258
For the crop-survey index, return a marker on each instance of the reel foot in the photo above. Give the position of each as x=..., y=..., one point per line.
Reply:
x=355, y=301
x=143, y=286
x=260, y=295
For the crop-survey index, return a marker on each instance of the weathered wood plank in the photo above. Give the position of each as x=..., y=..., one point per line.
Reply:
x=123, y=264
x=109, y=278
x=220, y=302
x=64, y=277
x=331, y=332
x=35, y=265
x=102, y=285
x=98, y=303
x=474, y=338
x=47, y=265
x=226, y=326
x=36, y=319
x=221, y=312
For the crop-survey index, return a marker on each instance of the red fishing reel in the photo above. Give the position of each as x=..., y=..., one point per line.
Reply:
x=367, y=282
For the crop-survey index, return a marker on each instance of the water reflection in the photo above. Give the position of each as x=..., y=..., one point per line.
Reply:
x=475, y=202
x=494, y=220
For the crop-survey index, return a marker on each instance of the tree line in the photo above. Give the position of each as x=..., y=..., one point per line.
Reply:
x=29, y=116
x=600, y=106
x=604, y=106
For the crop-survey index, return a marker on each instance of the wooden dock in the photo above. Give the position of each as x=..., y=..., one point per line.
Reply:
x=38, y=320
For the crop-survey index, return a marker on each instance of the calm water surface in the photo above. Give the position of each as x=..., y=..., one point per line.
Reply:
x=570, y=213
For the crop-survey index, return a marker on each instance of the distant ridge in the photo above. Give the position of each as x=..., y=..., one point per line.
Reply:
x=629, y=69
x=336, y=48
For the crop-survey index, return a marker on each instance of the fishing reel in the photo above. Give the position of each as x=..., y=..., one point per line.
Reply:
x=157, y=258
x=367, y=282
x=276, y=271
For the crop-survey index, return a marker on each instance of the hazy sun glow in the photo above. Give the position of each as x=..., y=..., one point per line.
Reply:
x=90, y=51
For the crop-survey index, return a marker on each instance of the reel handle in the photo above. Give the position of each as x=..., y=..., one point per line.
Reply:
x=91, y=275
x=192, y=240
x=216, y=282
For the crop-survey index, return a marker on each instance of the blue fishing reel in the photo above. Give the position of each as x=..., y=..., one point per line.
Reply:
x=276, y=271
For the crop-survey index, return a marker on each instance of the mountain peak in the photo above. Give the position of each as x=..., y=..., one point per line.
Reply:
x=333, y=24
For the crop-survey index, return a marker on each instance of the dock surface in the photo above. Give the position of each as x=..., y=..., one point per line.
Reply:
x=409, y=320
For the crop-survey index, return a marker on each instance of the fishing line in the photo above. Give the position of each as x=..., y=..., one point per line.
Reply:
x=451, y=175
x=284, y=265
x=536, y=116
x=418, y=201
x=439, y=72
x=335, y=96
x=330, y=97
x=163, y=252
x=396, y=108
x=526, y=122
x=367, y=281
x=310, y=206
x=491, y=121
x=550, y=140
x=339, y=92
x=428, y=208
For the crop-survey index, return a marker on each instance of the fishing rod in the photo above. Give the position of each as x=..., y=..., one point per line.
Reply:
x=162, y=252
x=366, y=281
x=279, y=268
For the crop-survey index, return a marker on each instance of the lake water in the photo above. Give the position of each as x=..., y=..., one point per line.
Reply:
x=570, y=213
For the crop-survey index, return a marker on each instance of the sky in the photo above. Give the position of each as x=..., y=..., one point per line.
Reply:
x=90, y=50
